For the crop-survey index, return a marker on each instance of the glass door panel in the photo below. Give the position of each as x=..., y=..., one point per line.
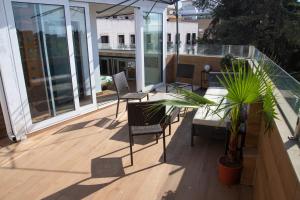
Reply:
x=42, y=37
x=81, y=55
x=153, y=48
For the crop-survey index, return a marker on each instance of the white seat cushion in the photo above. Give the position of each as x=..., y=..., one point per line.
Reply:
x=216, y=99
x=216, y=91
x=205, y=115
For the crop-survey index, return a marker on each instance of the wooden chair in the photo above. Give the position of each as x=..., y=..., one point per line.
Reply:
x=183, y=72
x=123, y=91
x=142, y=120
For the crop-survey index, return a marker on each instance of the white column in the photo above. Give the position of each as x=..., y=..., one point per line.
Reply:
x=93, y=21
x=164, y=44
x=139, y=51
x=10, y=82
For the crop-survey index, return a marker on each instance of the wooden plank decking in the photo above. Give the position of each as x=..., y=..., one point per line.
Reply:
x=89, y=158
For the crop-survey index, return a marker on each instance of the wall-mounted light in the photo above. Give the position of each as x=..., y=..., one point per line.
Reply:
x=207, y=68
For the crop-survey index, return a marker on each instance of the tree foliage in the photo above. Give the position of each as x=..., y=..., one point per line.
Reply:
x=273, y=26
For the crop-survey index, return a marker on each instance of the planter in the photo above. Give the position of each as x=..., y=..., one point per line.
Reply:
x=229, y=174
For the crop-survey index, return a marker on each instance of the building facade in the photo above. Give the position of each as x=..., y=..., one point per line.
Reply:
x=120, y=33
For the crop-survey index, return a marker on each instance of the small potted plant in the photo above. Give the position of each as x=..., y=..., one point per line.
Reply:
x=226, y=61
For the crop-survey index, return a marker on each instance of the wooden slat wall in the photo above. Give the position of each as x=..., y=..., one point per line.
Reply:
x=275, y=177
x=198, y=61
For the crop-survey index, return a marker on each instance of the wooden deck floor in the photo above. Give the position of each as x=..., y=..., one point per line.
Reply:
x=89, y=158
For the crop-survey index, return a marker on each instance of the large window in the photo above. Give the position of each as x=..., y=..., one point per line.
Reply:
x=194, y=38
x=153, y=48
x=188, y=38
x=169, y=37
x=132, y=39
x=179, y=40
x=42, y=38
x=105, y=39
x=81, y=55
x=121, y=39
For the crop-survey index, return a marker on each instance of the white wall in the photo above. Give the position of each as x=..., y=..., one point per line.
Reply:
x=184, y=28
x=113, y=28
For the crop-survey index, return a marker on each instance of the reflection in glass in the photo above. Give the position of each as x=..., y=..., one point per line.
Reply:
x=42, y=38
x=81, y=55
x=153, y=48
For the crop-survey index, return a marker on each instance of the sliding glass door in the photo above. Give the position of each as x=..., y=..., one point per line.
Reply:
x=43, y=45
x=81, y=54
x=153, y=48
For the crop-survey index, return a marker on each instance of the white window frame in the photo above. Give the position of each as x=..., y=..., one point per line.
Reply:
x=93, y=106
x=139, y=36
x=31, y=127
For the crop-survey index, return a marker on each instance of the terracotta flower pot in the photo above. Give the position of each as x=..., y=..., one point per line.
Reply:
x=229, y=174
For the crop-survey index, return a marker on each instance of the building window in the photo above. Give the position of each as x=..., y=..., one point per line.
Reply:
x=121, y=39
x=169, y=37
x=194, y=38
x=132, y=39
x=148, y=38
x=178, y=38
x=188, y=38
x=105, y=39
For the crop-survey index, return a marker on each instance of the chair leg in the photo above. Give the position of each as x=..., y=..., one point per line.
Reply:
x=156, y=137
x=170, y=129
x=185, y=111
x=192, y=135
x=178, y=117
x=147, y=97
x=130, y=146
x=132, y=140
x=164, y=144
x=117, y=108
x=126, y=104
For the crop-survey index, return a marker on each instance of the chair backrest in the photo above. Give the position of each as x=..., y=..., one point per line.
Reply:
x=142, y=113
x=121, y=83
x=185, y=71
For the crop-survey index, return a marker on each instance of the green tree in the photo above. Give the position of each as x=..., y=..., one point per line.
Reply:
x=273, y=26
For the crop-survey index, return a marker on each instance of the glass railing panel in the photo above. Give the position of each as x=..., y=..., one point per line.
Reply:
x=288, y=86
x=210, y=50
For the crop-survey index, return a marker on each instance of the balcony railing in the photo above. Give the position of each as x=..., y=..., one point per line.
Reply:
x=210, y=50
x=288, y=86
x=121, y=47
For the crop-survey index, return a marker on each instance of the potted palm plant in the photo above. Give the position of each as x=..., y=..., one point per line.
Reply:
x=245, y=87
